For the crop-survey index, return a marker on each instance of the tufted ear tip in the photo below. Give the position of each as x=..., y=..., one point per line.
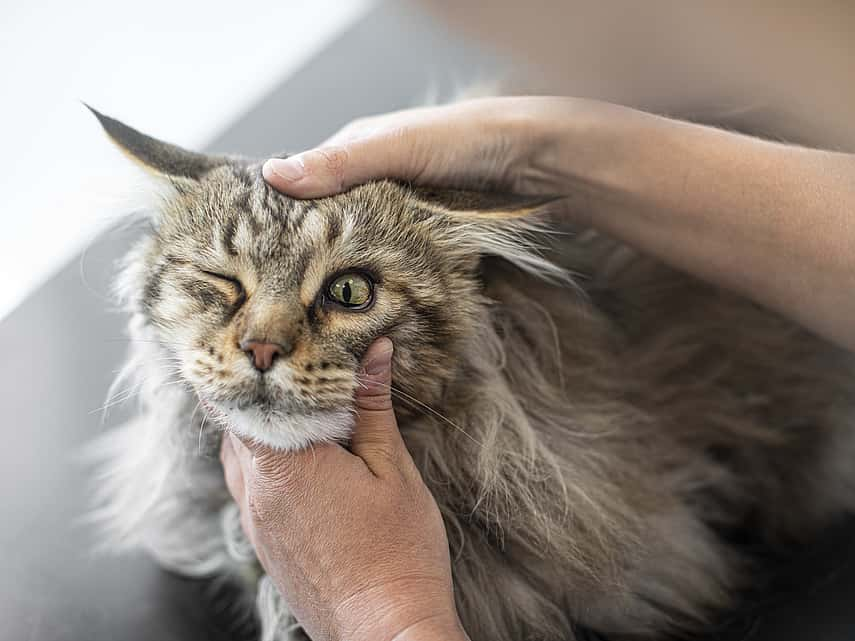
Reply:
x=155, y=155
x=92, y=109
x=94, y=112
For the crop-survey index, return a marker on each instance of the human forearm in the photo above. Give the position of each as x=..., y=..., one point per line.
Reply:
x=771, y=221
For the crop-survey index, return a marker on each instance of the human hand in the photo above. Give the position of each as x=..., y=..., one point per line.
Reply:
x=730, y=209
x=513, y=144
x=353, y=541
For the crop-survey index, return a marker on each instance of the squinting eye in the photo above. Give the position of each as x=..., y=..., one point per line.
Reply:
x=351, y=290
x=234, y=282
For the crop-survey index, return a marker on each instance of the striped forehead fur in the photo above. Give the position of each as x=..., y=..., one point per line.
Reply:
x=238, y=209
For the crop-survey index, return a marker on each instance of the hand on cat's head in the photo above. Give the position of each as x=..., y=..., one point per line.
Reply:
x=484, y=143
x=365, y=512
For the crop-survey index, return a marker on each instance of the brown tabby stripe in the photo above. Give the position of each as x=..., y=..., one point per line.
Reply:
x=206, y=293
x=228, y=235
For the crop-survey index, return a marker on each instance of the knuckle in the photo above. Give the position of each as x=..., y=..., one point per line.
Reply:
x=335, y=161
x=399, y=132
x=382, y=450
x=410, y=150
x=385, y=452
x=399, y=139
x=380, y=404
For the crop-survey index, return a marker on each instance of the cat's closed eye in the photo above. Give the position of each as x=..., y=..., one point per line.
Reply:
x=231, y=282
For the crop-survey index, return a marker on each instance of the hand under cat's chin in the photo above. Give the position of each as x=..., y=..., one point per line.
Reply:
x=283, y=430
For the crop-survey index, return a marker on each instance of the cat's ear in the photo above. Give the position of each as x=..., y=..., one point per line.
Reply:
x=473, y=205
x=514, y=228
x=156, y=156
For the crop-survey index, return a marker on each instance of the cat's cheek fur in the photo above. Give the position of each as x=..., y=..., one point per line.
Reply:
x=287, y=432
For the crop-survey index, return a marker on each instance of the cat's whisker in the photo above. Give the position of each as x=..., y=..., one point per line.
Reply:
x=119, y=401
x=118, y=398
x=139, y=383
x=201, y=429
x=127, y=394
x=416, y=403
x=195, y=409
x=425, y=407
x=169, y=359
x=162, y=343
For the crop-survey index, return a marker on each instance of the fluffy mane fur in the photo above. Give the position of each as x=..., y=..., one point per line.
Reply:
x=594, y=442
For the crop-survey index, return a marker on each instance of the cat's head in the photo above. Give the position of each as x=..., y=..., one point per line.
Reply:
x=265, y=304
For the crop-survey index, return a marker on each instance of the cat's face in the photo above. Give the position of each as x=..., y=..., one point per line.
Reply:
x=269, y=303
x=265, y=304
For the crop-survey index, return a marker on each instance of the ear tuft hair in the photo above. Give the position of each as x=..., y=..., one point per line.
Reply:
x=508, y=226
x=157, y=156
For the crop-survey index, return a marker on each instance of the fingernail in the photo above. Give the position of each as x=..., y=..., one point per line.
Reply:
x=236, y=442
x=380, y=359
x=288, y=169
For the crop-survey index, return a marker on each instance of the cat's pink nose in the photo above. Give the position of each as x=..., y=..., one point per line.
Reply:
x=262, y=355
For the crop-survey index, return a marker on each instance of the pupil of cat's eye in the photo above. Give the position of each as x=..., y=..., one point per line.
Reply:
x=346, y=292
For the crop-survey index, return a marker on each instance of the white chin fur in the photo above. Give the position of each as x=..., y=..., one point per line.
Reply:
x=287, y=431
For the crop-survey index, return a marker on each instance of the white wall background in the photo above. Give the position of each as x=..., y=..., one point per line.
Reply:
x=178, y=70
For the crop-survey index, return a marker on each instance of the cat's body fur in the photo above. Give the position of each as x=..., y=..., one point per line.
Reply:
x=593, y=447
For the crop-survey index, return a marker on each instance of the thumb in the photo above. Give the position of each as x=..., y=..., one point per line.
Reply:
x=333, y=168
x=375, y=438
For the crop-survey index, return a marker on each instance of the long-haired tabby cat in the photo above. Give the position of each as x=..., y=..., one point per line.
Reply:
x=602, y=433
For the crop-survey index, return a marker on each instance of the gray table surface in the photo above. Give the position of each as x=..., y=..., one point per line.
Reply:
x=60, y=349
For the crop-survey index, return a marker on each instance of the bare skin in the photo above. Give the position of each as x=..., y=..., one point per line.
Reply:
x=353, y=539
x=770, y=221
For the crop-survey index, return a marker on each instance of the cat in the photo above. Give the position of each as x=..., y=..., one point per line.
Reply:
x=601, y=433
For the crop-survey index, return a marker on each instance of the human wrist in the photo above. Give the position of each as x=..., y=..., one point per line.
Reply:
x=433, y=629
x=441, y=626
x=399, y=611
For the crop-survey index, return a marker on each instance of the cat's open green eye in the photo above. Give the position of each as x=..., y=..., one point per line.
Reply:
x=351, y=290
